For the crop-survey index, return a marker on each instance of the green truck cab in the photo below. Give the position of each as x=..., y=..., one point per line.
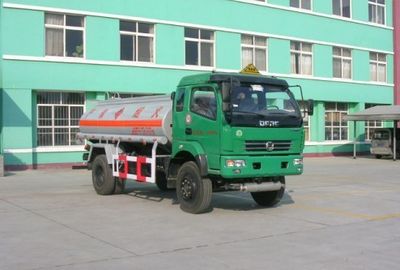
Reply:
x=241, y=131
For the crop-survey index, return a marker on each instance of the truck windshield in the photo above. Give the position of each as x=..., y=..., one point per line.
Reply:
x=264, y=105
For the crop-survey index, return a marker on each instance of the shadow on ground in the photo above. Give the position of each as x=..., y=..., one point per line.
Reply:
x=234, y=201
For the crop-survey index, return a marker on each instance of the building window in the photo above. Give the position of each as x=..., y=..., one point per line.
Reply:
x=377, y=10
x=370, y=126
x=341, y=8
x=301, y=58
x=254, y=51
x=306, y=120
x=342, y=63
x=137, y=41
x=304, y=4
x=65, y=35
x=336, y=129
x=377, y=64
x=199, y=47
x=58, y=115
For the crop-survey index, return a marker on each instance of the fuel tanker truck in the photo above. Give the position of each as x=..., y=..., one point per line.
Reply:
x=216, y=132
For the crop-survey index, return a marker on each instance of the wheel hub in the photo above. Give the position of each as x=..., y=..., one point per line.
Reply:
x=187, y=189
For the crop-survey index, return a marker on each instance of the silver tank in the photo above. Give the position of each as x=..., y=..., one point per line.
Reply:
x=141, y=119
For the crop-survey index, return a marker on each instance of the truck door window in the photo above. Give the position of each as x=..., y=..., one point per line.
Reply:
x=180, y=98
x=203, y=102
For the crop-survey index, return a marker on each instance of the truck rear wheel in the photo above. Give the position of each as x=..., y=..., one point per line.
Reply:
x=103, y=180
x=270, y=198
x=194, y=192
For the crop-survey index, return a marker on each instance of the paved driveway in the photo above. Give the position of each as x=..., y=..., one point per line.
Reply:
x=341, y=214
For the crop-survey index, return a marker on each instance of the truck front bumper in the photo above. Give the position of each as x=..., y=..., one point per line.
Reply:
x=260, y=166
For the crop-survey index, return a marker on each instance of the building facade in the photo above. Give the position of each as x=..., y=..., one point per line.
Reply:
x=59, y=57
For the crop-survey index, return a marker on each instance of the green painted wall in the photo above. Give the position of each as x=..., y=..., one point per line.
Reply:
x=278, y=56
x=263, y=19
x=322, y=60
x=30, y=37
x=17, y=118
x=227, y=46
x=169, y=39
x=102, y=31
x=21, y=79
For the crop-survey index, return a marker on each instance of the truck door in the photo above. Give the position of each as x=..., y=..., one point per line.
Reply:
x=203, y=126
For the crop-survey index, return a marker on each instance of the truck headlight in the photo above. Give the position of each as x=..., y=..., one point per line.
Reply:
x=297, y=161
x=237, y=163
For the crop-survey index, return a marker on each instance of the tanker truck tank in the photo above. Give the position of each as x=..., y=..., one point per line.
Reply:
x=141, y=119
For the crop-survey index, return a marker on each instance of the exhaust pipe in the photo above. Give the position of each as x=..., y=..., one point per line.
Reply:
x=255, y=187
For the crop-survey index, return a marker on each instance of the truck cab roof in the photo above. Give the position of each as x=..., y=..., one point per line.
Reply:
x=217, y=77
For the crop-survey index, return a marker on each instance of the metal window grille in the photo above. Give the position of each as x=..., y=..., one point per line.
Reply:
x=58, y=115
x=336, y=128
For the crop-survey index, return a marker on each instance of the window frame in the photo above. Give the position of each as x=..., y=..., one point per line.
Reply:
x=300, y=53
x=342, y=59
x=199, y=40
x=254, y=47
x=377, y=63
x=203, y=89
x=341, y=9
x=64, y=27
x=53, y=118
x=340, y=126
x=376, y=4
x=138, y=34
x=303, y=110
x=370, y=128
x=301, y=4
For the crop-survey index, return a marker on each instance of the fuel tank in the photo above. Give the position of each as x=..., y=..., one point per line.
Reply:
x=140, y=119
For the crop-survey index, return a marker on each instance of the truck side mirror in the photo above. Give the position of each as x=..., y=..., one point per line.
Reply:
x=173, y=95
x=310, y=107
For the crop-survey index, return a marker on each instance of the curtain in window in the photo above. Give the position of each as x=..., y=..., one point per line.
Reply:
x=247, y=56
x=54, y=42
x=261, y=59
x=337, y=68
x=307, y=64
x=381, y=73
x=54, y=36
x=380, y=15
x=373, y=71
x=347, y=69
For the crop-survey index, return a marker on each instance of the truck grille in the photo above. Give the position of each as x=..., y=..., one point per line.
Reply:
x=269, y=146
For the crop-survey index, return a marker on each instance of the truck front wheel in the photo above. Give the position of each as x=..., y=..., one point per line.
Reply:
x=270, y=198
x=103, y=180
x=194, y=192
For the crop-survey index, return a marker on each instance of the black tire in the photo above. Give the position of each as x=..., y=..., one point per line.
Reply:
x=194, y=192
x=270, y=198
x=103, y=181
x=378, y=156
x=161, y=181
x=119, y=186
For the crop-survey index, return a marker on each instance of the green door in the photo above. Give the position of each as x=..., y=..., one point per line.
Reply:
x=202, y=123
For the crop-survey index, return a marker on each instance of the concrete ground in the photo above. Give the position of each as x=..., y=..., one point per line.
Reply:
x=341, y=214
